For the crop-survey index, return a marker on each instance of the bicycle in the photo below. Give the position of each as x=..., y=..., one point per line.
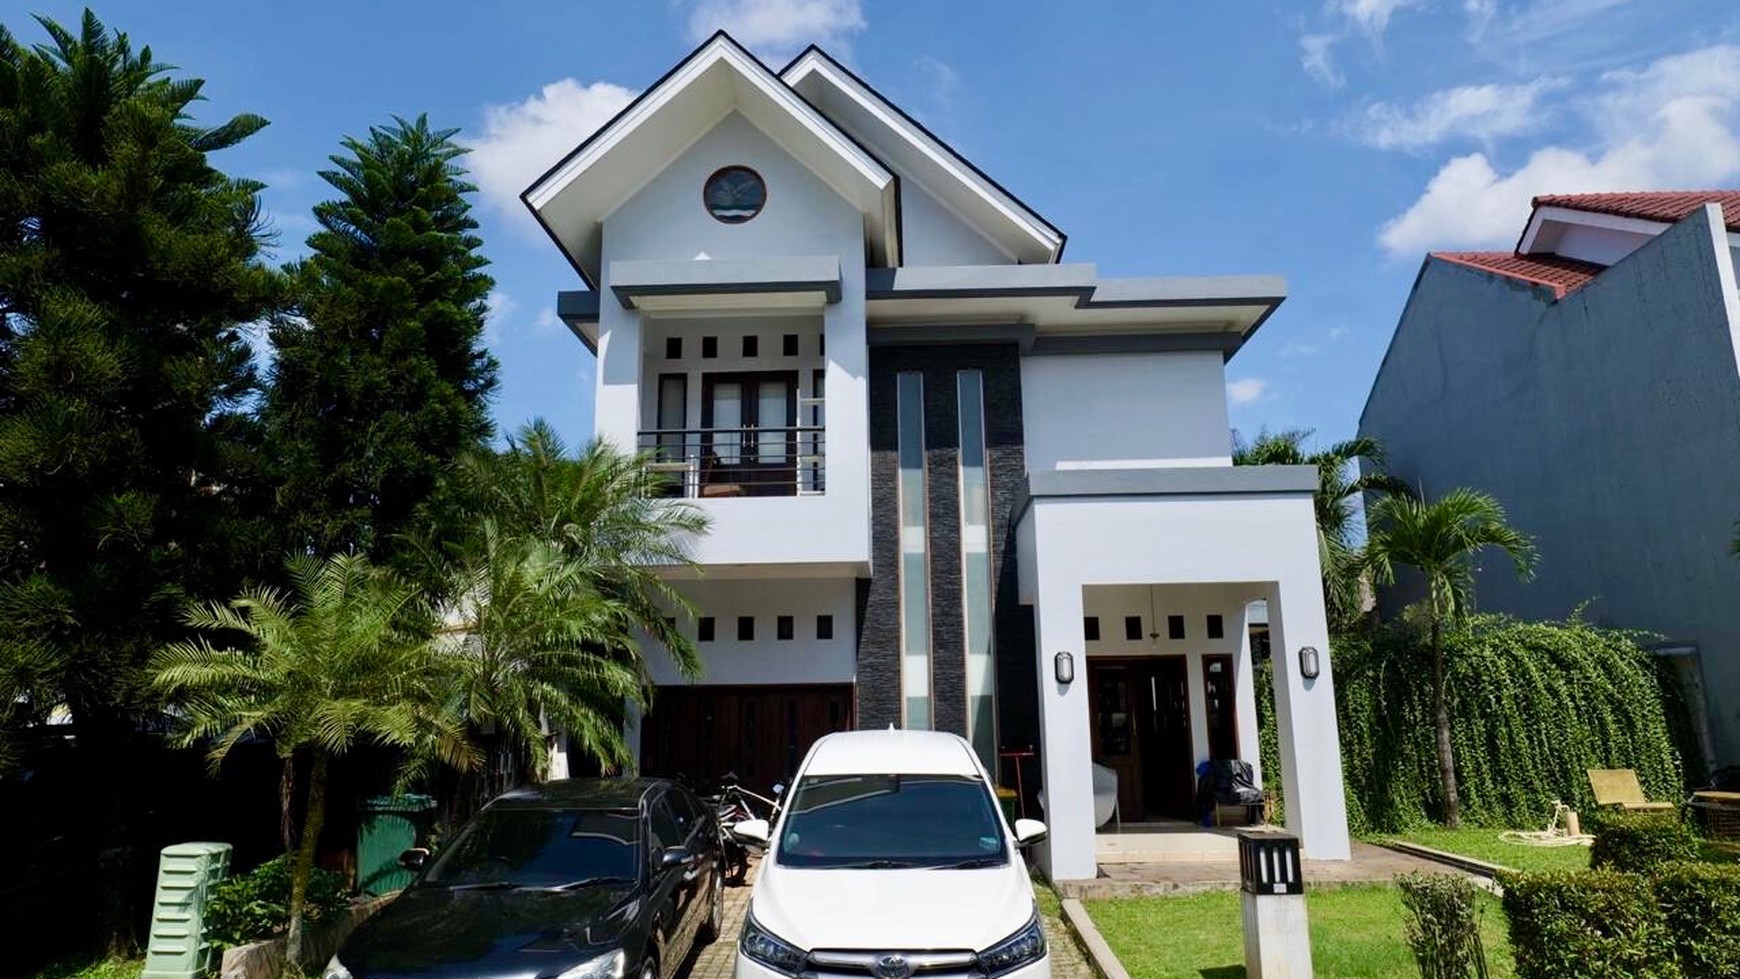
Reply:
x=734, y=804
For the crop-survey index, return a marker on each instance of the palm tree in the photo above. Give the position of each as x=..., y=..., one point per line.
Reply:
x=1340, y=488
x=341, y=661
x=531, y=644
x=1440, y=540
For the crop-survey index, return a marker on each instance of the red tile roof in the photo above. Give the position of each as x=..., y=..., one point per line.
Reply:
x=1667, y=205
x=1562, y=275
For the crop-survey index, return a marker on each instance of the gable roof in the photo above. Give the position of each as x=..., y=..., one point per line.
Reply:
x=980, y=201
x=1563, y=275
x=1666, y=206
x=634, y=147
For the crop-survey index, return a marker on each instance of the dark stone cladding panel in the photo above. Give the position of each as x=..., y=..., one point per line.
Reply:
x=879, y=625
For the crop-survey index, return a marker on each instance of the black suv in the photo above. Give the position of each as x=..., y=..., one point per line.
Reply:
x=578, y=879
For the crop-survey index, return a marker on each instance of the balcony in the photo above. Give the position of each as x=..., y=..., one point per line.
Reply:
x=719, y=463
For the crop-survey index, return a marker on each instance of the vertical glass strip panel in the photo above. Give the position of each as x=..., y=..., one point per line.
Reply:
x=914, y=557
x=976, y=569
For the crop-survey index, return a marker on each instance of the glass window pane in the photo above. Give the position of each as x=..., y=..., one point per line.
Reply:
x=727, y=420
x=976, y=568
x=914, y=559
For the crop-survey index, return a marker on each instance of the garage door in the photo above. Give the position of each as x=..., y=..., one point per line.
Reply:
x=699, y=733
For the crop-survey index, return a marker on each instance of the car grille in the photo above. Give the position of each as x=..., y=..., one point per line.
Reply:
x=843, y=964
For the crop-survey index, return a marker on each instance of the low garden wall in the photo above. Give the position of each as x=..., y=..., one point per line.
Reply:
x=265, y=960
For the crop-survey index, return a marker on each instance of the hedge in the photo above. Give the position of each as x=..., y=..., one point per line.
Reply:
x=255, y=905
x=1533, y=706
x=1701, y=903
x=1590, y=924
x=1639, y=842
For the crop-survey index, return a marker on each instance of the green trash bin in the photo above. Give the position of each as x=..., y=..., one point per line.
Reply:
x=390, y=825
x=1008, y=800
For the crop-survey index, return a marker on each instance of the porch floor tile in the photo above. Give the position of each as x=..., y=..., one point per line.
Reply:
x=1131, y=874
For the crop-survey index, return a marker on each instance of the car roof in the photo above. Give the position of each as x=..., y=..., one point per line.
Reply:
x=582, y=793
x=892, y=752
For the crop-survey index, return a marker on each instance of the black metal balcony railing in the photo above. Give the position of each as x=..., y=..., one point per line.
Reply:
x=723, y=462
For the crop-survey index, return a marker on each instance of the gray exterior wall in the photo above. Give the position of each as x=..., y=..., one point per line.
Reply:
x=1607, y=423
x=879, y=695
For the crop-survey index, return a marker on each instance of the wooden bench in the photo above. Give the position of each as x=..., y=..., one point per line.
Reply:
x=1618, y=788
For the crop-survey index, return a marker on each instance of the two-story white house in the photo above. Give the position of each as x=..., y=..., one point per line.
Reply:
x=954, y=483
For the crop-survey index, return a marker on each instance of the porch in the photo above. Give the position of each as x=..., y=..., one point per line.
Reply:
x=1145, y=586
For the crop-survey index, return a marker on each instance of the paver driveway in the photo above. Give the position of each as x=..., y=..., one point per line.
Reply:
x=715, y=961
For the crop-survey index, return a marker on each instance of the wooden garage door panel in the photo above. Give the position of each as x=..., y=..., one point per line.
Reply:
x=698, y=733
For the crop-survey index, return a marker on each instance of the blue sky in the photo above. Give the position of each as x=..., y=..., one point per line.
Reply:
x=1334, y=143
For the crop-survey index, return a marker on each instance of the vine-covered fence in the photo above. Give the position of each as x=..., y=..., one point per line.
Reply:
x=1533, y=705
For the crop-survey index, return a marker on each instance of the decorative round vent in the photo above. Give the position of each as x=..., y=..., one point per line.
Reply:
x=734, y=194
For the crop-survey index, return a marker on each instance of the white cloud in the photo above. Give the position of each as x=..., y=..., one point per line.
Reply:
x=1480, y=112
x=1317, y=57
x=1246, y=390
x=1672, y=125
x=778, y=27
x=521, y=140
x=1480, y=13
x=547, y=321
x=501, y=308
x=1371, y=16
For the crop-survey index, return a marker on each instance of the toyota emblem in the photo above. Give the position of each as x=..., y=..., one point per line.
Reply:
x=893, y=966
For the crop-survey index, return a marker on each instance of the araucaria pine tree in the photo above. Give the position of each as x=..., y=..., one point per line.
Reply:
x=127, y=264
x=380, y=377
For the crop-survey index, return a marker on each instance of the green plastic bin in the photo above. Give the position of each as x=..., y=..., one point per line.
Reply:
x=177, y=947
x=390, y=825
x=1007, y=799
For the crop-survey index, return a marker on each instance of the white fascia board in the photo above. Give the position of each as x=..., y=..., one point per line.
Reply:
x=752, y=89
x=928, y=156
x=1589, y=219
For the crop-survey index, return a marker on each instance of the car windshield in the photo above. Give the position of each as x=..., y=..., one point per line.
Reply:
x=891, y=821
x=541, y=848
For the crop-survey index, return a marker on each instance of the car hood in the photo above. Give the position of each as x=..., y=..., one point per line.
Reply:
x=892, y=909
x=433, y=932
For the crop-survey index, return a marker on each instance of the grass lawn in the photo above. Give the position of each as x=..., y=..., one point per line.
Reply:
x=97, y=969
x=1484, y=844
x=1355, y=932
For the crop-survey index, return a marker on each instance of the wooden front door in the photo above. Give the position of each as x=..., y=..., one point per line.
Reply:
x=1141, y=730
x=699, y=733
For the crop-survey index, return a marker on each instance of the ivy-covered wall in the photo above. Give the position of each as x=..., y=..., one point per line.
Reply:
x=1533, y=705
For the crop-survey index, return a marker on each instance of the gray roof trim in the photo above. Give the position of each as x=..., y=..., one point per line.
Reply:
x=1173, y=481
x=1020, y=334
x=1053, y=344
x=807, y=273
x=578, y=311
x=1078, y=280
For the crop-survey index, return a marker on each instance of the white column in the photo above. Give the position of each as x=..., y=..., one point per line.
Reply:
x=1245, y=696
x=1064, y=732
x=1197, y=692
x=1305, y=719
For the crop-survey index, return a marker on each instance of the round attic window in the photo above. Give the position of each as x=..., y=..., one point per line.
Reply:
x=734, y=194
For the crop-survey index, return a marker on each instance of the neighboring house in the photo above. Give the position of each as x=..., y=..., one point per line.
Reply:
x=943, y=469
x=1588, y=380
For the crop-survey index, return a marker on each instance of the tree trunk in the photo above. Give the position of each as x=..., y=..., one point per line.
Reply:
x=1441, y=725
x=287, y=790
x=102, y=738
x=304, y=865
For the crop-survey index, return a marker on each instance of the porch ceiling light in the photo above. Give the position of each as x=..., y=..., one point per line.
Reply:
x=1309, y=666
x=1063, y=667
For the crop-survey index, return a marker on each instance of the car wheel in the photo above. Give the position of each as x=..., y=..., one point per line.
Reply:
x=715, y=924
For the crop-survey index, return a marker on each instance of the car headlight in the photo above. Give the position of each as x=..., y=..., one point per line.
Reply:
x=335, y=970
x=1022, y=948
x=606, y=966
x=765, y=947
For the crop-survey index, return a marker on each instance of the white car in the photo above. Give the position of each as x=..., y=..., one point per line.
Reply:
x=892, y=860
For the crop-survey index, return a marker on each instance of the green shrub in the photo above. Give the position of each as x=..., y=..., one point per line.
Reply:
x=1639, y=842
x=1702, y=905
x=256, y=905
x=1592, y=924
x=1443, y=927
x=1533, y=705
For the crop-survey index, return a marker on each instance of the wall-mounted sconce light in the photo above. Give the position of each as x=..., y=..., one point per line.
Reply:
x=1309, y=666
x=1063, y=667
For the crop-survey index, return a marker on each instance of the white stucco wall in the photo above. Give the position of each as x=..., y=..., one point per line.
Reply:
x=1125, y=411
x=1266, y=542
x=931, y=234
x=802, y=217
x=801, y=659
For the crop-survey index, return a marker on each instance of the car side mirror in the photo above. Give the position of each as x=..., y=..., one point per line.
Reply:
x=414, y=858
x=1029, y=832
x=753, y=831
x=676, y=856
